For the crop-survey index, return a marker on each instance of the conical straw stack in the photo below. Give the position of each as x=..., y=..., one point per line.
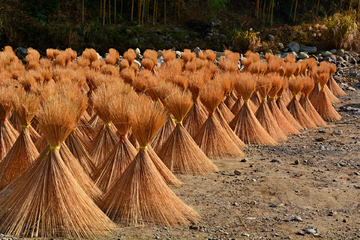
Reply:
x=282, y=106
x=124, y=152
x=212, y=137
x=8, y=134
x=180, y=152
x=23, y=152
x=141, y=194
x=307, y=105
x=225, y=84
x=245, y=124
x=322, y=103
x=263, y=114
x=294, y=107
x=46, y=200
x=286, y=127
x=197, y=114
x=332, y=84
x=106, y=138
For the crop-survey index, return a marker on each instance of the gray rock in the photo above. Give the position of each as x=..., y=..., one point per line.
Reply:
x=337, y=132
x=326, y=54
x=298, y=219
x=195, y=227
x=333, y=51
x=159, y=53
x=21, y=52
x=320, y=139
x=280, y=46
x=245, y=234
x=273, y=205
x=351, y=88
x=310, y=230
x=178, y=54
x=237, y=172
x=271, y=38
x=308, y=49
x=197, y=50
x=322, y=131
x=138, y=52
x=303, y=55
x=340, y=52
x=286, y=49
x=176, y=30
x=137, y=62
x=294, y=47
x=340, y=59
x=157, y=237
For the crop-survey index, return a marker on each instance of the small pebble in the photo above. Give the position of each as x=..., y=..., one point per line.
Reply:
x=195, y=227
x=296, y=162
x=243, y=160
x=237, y=172
x=322, y=131
x=320, y=139
x=298, y=219
x=273, y=205
x=337, y=132
x=310, y=230
x=245, y=234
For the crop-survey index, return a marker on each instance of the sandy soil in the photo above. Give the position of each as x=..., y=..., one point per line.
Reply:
x=303, y=188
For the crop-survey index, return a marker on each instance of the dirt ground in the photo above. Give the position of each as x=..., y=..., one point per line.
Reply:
x=304, y=188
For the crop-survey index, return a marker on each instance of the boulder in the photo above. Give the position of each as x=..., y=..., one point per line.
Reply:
x=271, y=38
x=294, y=47
x=308, y=49
x=303, y=55
x=340, y=52
x=197, y=50
x=326, y=54
x=333, y=51
x=280, y=46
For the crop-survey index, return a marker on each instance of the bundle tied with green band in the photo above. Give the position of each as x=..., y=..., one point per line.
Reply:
x=263, y=113
x=197, y=115
x=245, y=125
x=180, y=152
x=141, y=195
x=61, y=207
x=23, y=152
x=307, y=105
x=295, y=108
x=283, y=122
x=212, y=138
x=106, y=137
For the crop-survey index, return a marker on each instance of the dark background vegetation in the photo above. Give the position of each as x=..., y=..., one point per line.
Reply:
x=59, y=24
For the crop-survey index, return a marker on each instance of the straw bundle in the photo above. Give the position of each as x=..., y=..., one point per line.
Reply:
x=281, y=103
x=123, y=153
x=212, y=137
x=23, y=152
x=8, y=134
x=113, y=57
x=307, y=105
x=290, y=58
x=141, y=195
x=294, y=107
x=332, y=84
x=180, y=152
x=161, y=136
x=286, y=127
x=130, y=55
x=245, y=124
x=168, y=55
x=32, y=58
x=263, y=114
x=106, y=138
x=196, y=116
x=46, y=200
x=322, y=103
x=225, y=84
x=316, y=72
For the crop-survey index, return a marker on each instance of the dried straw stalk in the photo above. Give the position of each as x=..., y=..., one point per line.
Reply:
x=180, y=152
x=286, y=127
x=322, y=103
x=8, y=134
x=46, y=200
x=106, y=138
x=212, y=137
x=23, y=152
x=294, y=107
x=124, y=152
x=263, y=114
x=245, y=124
x=281, y=103
x=141, y=194
x=332, y=84
x=307, y=105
